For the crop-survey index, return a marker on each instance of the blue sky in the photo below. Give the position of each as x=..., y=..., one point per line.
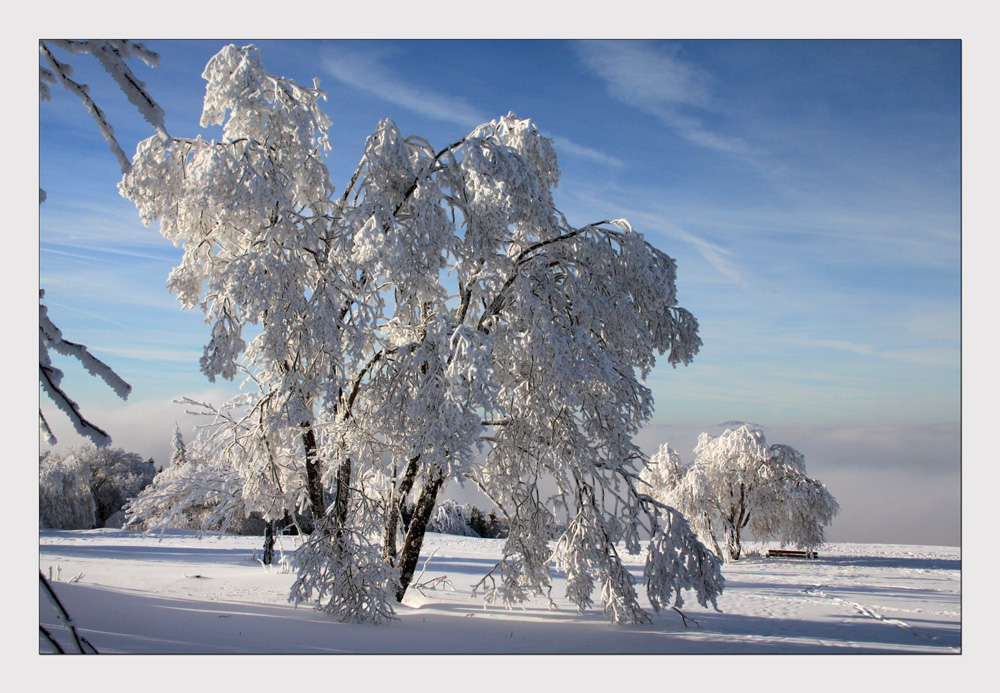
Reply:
x=810, y=192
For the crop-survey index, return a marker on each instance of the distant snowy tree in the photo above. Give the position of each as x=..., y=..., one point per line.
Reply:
x=115, y=477
x=663, y=471
x=178, y=455
x=487, y=525
x=203, y=487
x=438, y=320
x=738, y=483
x=669, y=481
x=197, y=495
x=113, y=56
x=91, y=483
x=64, y=497
x=452, y=518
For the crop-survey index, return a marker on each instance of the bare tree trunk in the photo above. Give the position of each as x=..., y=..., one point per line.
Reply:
x=342, y=495
x=396, y=500
x=314, y=473
x=268, y=542
x=733, y=544
x=415, y=534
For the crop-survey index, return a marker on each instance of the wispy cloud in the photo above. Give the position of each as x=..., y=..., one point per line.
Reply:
x=150, y=354
x=82, y=224
x=89, y=314
x=918, y=356
x=653, y=79
x=718, y=257
x=564, y=145
x=368, y=71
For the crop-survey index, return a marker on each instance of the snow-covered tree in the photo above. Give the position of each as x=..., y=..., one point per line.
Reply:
x=113, y=56
x=94, y=484
x=663, y=471
x=671, y=482
x=182, y=496
x=64, y=497
x=178, y=454
x=439, y=319
x=451, y=517
x=738, y=483
x=205, y=487
x=116, y=476
x=197, y=495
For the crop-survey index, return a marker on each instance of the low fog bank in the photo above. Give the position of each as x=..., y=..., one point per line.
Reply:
x=894, y=483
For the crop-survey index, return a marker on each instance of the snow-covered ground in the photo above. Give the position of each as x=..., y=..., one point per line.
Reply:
x=130, y=593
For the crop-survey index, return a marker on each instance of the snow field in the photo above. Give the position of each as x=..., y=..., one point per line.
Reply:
x=182, y=594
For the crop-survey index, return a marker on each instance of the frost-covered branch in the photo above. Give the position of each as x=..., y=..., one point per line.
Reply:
x=112, y=55
x=50, y=378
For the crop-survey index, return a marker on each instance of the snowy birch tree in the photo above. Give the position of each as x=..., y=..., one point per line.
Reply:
x=440, y=319
x=737, y=483
x=113, y=55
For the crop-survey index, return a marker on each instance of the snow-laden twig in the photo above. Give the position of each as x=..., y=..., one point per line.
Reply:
x=441, y=581
x=50, y=377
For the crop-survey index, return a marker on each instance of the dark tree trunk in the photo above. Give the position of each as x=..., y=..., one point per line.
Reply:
x=314, y=473
x=415, y=534
x=737, y=521
x=268, y=542
x=394, y=509
x=733, y=543
x=342, y=495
